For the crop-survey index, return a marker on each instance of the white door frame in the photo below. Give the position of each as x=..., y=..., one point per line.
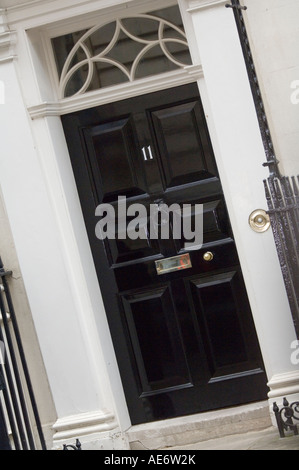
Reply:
x=239, y=152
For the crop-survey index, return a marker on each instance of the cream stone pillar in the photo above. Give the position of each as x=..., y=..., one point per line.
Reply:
x=53, y=275
x=240, y=154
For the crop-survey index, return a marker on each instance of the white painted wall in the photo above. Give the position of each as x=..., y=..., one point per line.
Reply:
x=273, y=27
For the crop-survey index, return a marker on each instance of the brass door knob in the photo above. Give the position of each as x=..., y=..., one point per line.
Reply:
x=259, y=221
x=208, y=256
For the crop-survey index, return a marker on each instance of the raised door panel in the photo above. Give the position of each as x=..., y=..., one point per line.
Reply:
x=113, y=155
x=184, y=145
x=132, y=240
x=212, y=219
x=156, y=340
x=225, y=324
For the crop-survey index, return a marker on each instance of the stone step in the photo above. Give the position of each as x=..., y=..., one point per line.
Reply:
x=200, y=427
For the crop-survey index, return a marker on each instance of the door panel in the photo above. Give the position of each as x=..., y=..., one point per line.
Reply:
x=188, y=159
x=185, y=341
x=123, y=250
x=221, y=319
x=113, y=145
x=216, y=229
x=156, y=339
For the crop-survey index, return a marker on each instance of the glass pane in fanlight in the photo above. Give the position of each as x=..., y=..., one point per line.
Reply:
x=100, y=39
x=143, y=28
x=125, y=51
x=106, y=75
x=62, y=47
x=76, y=81
x=179, y=52
x=153, y=63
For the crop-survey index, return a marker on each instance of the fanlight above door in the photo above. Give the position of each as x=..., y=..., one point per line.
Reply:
x=124, y=50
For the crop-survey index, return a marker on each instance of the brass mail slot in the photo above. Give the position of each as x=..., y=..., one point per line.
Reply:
x=176, y=263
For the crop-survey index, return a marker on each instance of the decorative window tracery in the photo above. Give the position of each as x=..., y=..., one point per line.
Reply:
x=124, y=50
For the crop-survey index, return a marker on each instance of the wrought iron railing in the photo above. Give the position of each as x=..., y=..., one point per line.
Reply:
x=281, y=192
x=18, y=408
x=283, y=202
x=287, y=418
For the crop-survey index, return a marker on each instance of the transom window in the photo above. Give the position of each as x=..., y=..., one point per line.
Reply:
x=126, y=49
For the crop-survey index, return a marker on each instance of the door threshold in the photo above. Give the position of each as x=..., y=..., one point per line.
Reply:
x=200, y=427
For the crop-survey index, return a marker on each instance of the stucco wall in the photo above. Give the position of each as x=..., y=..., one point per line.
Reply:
x=273, y=27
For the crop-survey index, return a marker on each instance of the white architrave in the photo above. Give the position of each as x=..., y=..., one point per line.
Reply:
x=116, y=93
x=55, y=248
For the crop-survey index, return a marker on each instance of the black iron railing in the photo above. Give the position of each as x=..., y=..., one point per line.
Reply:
x=287, y=418
x=18, y=406
x=281, y=192
x=77, y=446
x=283, y=201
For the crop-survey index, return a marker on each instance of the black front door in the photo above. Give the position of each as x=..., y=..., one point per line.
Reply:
x=184, y=340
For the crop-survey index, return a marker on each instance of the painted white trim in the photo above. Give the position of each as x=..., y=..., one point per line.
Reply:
x=82, y=424
x=117, y=93
x=202, y=5
x=23, y=5
x=7, y=45
x=9, y=58
x=47, y=13
x=283, y=385
x=96, y=431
